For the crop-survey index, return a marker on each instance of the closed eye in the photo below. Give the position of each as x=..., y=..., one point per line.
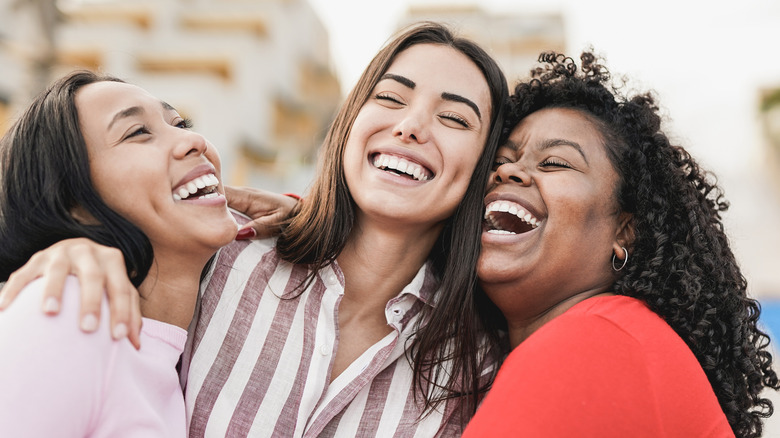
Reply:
x=499, y=161
x=388, y=97
x=552, y=162
x=140, y=131
x=456, y=118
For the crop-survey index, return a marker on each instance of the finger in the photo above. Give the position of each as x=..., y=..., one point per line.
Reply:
x=119, y=293
x=261, y=228
x=92, y=281
x=54, y=275
x=16, y=282
x=239, y=199
x=134, y=333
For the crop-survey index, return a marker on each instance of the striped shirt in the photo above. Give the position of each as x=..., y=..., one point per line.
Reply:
x=260, y=353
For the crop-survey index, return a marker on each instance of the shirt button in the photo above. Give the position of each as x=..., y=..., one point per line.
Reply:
x=324, y=349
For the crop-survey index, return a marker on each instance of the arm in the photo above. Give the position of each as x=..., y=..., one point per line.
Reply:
x=51, y=373
x=98, y=268
x=268, y=210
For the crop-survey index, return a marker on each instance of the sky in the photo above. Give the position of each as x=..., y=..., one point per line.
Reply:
x=706, y=61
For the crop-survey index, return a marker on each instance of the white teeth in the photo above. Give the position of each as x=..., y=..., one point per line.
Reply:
x=208, y=182
x=513, y=209
x=401, y=165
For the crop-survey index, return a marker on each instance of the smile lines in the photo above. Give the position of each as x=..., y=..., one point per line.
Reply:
x=205, y=185
x=401, y=166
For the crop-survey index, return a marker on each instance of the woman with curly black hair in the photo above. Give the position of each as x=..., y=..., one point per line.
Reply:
x=605, y=251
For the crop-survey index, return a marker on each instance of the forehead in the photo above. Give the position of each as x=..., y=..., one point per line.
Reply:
x=558, y=123
x=100, y=101
x=443, y=69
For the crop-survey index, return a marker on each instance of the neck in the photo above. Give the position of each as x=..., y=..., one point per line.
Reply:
x=170, y=290
x=378, y=262
x=520, y=330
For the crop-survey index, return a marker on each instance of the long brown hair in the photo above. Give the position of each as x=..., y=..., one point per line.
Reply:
x=319, y=232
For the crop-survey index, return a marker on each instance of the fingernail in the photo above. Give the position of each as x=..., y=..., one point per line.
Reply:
x=246, y=233
x=51, y=305
x=120, y=331
x=89, y=323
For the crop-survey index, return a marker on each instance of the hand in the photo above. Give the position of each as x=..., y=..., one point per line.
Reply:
x=268, y=210
x=98, y=268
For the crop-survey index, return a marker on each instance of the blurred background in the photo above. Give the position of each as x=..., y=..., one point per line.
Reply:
x=262, y=78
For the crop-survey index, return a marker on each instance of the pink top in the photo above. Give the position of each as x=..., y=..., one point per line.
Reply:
x=57, y=381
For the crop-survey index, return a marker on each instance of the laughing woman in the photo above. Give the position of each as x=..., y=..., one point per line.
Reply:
x=605, y=251
x=99, y=158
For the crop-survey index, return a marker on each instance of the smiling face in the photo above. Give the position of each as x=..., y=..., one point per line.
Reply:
x=150, y=168
x=416, y=140
x=552, y=221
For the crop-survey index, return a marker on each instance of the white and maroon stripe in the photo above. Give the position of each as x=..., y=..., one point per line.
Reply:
x=260, y=364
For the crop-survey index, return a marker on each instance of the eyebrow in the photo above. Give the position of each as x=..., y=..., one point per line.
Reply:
x=550, y=143
x=400, y=79
x=553, y=142
x=136, y=110
x=461, y=99
x=127, y=112
x=446, y=96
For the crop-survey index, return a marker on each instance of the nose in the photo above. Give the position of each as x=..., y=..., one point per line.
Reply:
x=189, y=143
x=511, y=172
x=412, y=128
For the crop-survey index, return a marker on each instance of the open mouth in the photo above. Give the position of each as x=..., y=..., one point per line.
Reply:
x=401, y=167
x=505, y=217
x=202, y=187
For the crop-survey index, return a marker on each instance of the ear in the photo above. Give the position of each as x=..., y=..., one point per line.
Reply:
x=624, y=236
x=82, y=216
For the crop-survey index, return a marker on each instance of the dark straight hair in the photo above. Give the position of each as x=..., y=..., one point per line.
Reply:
x=319, y=232
x=45, y=175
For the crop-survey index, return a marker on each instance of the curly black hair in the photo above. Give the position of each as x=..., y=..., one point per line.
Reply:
x=681, y=263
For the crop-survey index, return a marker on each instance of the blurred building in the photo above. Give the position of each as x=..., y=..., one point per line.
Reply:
x=254, y=75
x=514, y=40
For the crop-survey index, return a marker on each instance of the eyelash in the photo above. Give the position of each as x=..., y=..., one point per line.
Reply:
x=552, y=162
x=456, y=118
x=182, y=124
x=185, y=124
x=499, y=162
x=449, y=116
x=385, y=96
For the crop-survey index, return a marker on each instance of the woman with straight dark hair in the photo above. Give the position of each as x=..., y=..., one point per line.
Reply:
x=97, y=158
x=325, y=331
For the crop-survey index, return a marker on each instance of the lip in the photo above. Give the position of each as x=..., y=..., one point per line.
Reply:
x=406, y=154
x=197, y=171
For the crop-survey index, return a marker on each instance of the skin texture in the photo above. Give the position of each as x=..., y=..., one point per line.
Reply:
x=140, y=153
x=554, y=166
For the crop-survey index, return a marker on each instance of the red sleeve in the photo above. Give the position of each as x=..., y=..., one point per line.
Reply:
x=578, y=376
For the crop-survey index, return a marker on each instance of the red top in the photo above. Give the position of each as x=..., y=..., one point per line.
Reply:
x=608, y=367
